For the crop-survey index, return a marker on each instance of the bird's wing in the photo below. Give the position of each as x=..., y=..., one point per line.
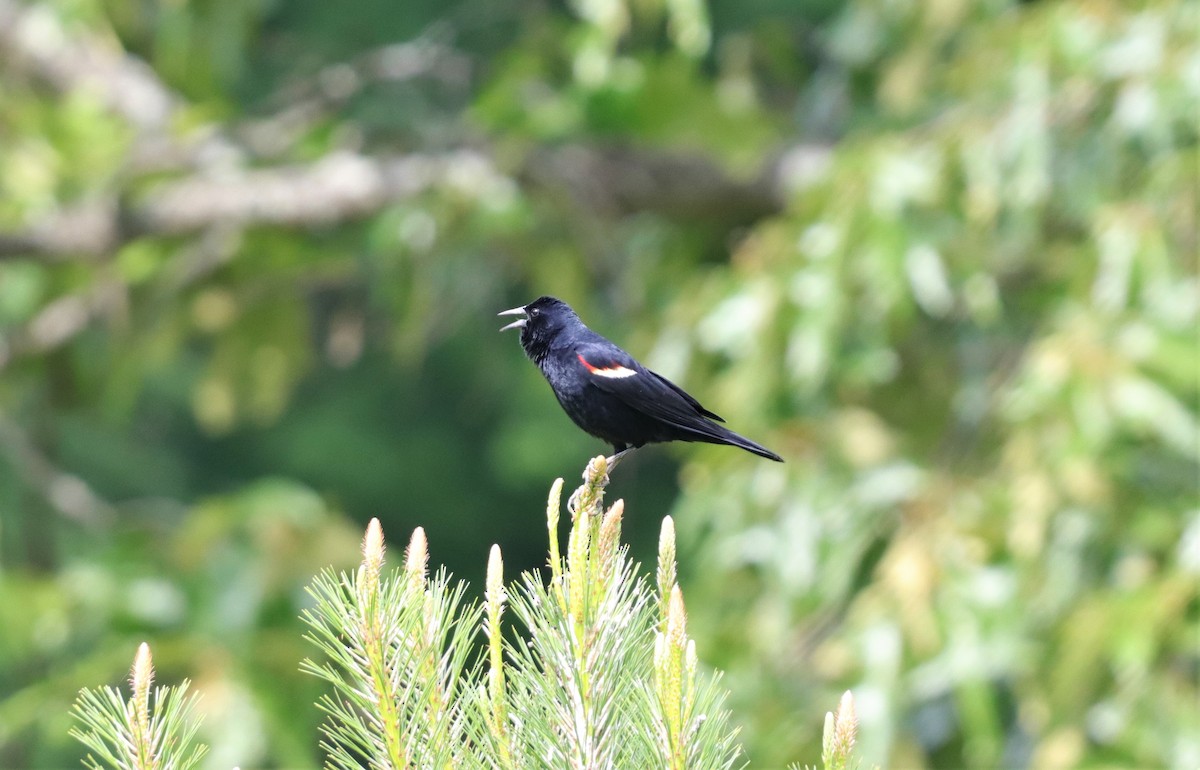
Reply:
x=688, y=398
x=616, y=372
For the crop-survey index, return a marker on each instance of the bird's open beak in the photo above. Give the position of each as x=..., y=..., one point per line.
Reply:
x=519, y=323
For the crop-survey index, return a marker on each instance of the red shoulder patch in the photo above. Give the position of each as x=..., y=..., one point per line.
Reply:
x=614, y=371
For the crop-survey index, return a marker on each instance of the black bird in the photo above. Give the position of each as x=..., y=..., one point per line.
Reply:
x=609, y=394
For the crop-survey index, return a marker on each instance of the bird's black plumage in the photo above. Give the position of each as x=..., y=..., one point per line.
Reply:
x=609, y=394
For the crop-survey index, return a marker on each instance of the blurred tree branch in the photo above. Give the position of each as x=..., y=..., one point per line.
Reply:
x=69, y=315
x=33, y=39
x=621, y=180
x=66, y=493
x=343, y=185
x=217, y=193
x=306, y=101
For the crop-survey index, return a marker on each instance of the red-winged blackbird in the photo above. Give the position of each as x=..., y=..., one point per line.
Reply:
x=609, y=394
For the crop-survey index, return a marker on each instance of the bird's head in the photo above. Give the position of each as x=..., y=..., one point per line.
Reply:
x=540, y=322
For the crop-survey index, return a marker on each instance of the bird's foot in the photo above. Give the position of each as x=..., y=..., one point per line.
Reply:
x=611, y=462
x=595, y=479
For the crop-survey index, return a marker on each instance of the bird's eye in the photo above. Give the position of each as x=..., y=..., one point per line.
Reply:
x=534, y=312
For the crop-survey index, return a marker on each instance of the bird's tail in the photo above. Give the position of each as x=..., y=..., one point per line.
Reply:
x=722, y=435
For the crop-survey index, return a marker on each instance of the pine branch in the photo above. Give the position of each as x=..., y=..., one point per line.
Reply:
x=594, y=683
x=141, y=733
x=605, y=676
x=690, y=726
x=397, y=648
x=838, y=738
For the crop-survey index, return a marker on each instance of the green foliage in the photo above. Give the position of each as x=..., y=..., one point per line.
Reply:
x=603, y=673
x=941, y=254
x=140, y=733
x=838, y=737
x=398, y=648
x=977, y=324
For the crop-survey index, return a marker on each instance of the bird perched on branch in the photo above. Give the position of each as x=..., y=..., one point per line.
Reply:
x=609, y=394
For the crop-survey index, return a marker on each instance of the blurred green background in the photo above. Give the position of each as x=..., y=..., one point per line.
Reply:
x=940, y=255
